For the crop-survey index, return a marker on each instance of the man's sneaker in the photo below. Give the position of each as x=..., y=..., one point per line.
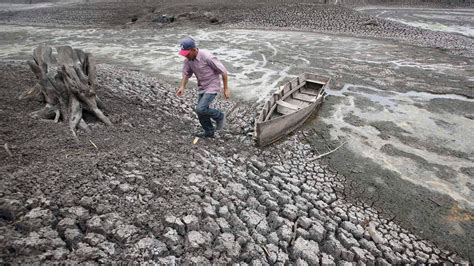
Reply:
x=221, y=123
x=204, y=135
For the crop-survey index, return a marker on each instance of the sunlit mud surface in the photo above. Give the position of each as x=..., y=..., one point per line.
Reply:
x=453, y=20
x=410, y=109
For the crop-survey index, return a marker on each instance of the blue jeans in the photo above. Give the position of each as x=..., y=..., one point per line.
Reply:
x=205, y=113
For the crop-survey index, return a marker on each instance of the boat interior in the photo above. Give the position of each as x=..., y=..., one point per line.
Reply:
x=294, y=96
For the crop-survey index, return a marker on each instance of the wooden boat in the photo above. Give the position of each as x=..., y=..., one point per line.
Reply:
x=289, y=107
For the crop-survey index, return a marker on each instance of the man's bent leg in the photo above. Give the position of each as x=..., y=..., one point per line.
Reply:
x=205, y=113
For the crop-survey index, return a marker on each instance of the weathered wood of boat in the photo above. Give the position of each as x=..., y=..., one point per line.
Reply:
x=289, y=107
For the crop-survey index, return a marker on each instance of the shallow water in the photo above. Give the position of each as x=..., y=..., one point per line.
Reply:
x=459, y=21
x=403, y=121
x=384, y=82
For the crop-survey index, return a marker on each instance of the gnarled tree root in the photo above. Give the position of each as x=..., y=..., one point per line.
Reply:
x=67, y=84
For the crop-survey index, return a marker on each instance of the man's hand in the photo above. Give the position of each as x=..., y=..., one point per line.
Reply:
x=180, y=92
x=226, y=93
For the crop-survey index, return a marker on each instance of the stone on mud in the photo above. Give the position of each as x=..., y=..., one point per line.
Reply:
x=238, y=190
x=175, y=223
x=191, y=222
x=332, y=246
x=95, y=224
x=172, y=237
x=347, y=255
x=79, y=212
x=196, y=179
x=72, y=236
x=10, y=209
x=347, y=241
x=36, y=218
x=168, y=261
x=258, y=164
x=305, y=222
x=356, y=231
x=151, y=245
x=124, y=232
x=290, y=211
x=307, y=250
x=226, y=243
x=327, y=260
x=65, y=224
x=211, y=226
x=196, y=239
x=107, y=247
x=85, y=252
x=94, y=239
x=285, y=232
x=224, y=212
x=317, y=232
x=223, y=225
x=38, y=241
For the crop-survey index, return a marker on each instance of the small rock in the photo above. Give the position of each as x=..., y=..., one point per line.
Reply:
x=226, y=242
x=124, y=232
x=107, y=247
x=151, y=245
x=332, y=246
x=305, y=222
x=72, y=236
x=169, y=260
x=196, y=239
x=191, y=222
x=224, y=212
x=94, y=224
x=285, y=232
x=356, y=231
x=376, y=236
x=175, y=223
x=347, y=255
x=307, y=250
x=85, y=252
x=317, y=232
x=36, y=218
x=223, y=225
x=209, y=210
x=239, y=190
x=327, y=260
x=290, y=211
x=172, y=237
x=94, y=239
x=210, y=225
x=65, y=224
x=11, y=209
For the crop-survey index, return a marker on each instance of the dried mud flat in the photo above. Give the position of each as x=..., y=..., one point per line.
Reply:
x=147, y=194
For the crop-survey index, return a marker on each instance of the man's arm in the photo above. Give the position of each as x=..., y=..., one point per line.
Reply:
x=182, y=85
x=217, y=66
x=226, y=88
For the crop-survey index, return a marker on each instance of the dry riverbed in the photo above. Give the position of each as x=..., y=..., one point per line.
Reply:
x=399, y=191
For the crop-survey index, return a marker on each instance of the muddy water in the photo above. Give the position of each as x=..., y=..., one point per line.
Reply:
x=409, y=109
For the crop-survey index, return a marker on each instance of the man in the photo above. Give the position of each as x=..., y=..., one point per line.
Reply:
x=207, y=69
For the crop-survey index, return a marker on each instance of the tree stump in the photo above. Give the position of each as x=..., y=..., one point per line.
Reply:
x=67, y=84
